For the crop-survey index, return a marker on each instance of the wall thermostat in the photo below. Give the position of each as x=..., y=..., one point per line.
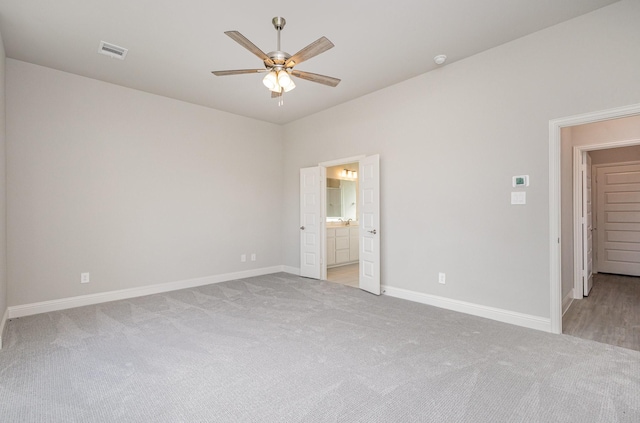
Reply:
x=520, y=181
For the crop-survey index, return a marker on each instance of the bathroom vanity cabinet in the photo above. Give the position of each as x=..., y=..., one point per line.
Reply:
x=342, y=245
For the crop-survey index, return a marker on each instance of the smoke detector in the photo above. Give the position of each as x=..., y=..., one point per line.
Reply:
x=440, y=59
x=112, y=50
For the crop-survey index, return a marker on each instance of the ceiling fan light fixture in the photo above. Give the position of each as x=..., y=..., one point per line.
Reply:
x=279, y=64
x=289, y=87
x=271, y=81
x=285, y=81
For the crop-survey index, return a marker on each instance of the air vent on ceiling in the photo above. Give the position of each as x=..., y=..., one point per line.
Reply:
x=112, y=50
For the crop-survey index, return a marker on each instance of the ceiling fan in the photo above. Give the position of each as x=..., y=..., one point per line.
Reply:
x=279, y=64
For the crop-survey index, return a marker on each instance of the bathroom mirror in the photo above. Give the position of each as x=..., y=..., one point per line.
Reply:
x=341, y=200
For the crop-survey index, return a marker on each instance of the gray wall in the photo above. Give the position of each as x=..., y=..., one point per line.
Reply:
x=135, y=188
x=450, y=141
x=3, y=197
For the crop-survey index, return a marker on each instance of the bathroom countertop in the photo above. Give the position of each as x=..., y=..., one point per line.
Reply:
x=340, y=224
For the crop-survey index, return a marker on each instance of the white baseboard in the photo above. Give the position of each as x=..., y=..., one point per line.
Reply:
x=292, y=270
x=567, y=301
x=506, y=316
x=103, y=297
x=3, y=322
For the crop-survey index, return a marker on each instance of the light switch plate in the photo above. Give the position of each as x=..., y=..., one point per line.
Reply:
x=519, y=197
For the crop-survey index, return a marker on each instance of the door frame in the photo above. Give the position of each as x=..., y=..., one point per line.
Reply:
x=555, y=257
x=323, y=207
x=579, y=193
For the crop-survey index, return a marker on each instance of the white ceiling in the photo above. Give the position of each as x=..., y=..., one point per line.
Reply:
x=174, y=45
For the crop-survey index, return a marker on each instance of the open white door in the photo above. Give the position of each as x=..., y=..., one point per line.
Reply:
x=587, y=227
x=369, y=176
x=310, y=222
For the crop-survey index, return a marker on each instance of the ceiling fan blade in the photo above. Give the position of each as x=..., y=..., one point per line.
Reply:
x=320, y=45
x=244, y=42
x=314, y=77
x=237, y=72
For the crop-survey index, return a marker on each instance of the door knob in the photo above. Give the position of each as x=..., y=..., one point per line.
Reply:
x=302, y=227
x=372, y=232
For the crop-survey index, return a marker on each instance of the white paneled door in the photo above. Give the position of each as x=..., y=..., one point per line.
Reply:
x=587, y=228
x=369, y=179
x=618, y=219
x=310, y=222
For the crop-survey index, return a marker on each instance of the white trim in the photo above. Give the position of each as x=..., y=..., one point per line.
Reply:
x=555, y=258
x=323, y=223
x=555, y=250
x=339, y=162
x=3, y=323
x=578, y=245
x=567, y=301
x=505, y=316
x=123, y=294
x=292, y=270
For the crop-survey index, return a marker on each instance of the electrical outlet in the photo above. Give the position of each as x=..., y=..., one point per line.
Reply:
x=243, y=258
x=441, y=278
x=84, y=278
x=253, y=257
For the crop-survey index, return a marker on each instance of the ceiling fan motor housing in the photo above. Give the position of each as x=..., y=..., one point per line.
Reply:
x=278, y=57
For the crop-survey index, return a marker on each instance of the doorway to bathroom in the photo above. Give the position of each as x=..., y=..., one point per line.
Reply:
x=331, y=237
x=342, y=225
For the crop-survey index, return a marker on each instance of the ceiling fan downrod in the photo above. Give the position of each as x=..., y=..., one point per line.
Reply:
x=278, y=24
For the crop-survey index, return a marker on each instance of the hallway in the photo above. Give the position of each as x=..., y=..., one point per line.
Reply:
x=611, y=313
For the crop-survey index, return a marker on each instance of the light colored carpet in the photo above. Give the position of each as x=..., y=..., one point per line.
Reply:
x=280, y=348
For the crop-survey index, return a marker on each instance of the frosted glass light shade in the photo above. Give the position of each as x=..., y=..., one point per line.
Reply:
x=289, y=86
x=285, y=81
x=271, y=81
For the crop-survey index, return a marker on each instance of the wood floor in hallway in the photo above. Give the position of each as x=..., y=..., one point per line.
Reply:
x=610, y=314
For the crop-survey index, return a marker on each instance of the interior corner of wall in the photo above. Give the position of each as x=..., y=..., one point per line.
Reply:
x=3, y=324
